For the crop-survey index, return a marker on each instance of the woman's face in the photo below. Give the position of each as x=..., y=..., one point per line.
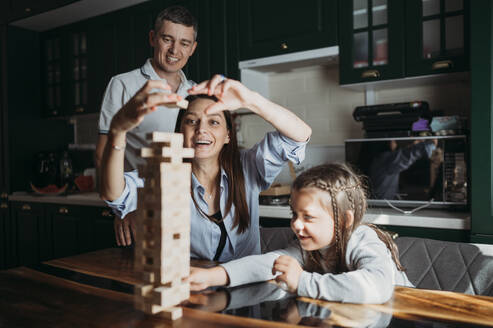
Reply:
x=312, y=221
x=207, y=134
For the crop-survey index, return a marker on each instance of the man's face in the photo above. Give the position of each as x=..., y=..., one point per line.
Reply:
x=173, y=44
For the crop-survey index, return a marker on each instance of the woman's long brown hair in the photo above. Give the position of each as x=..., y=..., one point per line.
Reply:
x=229, y=160
x=346, y=191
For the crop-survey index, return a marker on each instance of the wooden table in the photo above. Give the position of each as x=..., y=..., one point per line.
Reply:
x=60, y=293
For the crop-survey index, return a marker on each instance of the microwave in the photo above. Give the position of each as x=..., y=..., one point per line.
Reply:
x=413, y=171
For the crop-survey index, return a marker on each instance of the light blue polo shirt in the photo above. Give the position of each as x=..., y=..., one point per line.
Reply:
x=124, y=86
x=261, y=164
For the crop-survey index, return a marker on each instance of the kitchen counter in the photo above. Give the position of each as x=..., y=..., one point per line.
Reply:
x=438, y=219
x=427, y=218
x=87, y=198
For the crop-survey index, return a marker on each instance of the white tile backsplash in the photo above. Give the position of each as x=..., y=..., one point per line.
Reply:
x=315, y=95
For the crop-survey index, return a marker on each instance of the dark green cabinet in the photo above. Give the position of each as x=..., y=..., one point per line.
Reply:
x=65, y=71
x=54, y=72
x=103, y=233
x=71, y=230
x=437, y=36
x=371, y=40
x=30, y=224
x=77, y=70
x=275, y=27
x=217, y=51
x=4, y=233
x=390, y=39
x=35, y=232
x=481, y=115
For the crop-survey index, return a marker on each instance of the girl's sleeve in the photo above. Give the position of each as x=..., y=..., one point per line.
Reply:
x=255, y=268
x=266, y=159
x=127, y=202
x=371, y=279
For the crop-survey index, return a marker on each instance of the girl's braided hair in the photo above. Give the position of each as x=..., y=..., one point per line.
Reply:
x=347, y=192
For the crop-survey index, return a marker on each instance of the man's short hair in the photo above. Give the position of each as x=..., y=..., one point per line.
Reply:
x=177, y=15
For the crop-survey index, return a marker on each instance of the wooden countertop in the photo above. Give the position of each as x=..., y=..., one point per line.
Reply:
x=407, y=305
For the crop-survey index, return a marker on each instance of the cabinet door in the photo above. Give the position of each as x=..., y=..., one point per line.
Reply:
x=71, y=230
x=101, y=59
x=103, y=234
x=4, y=214
x=28, y=218
x=277, y=27
x=437, y=36
x=53, y=68
x=371, y=40
x=143, y=17
x=77, y=70
x=217, y=51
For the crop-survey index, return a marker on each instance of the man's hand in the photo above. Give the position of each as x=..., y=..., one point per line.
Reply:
x=291, y=271
x=125, y=229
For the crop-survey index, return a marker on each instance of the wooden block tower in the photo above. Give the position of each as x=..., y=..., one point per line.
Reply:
x=162, y=247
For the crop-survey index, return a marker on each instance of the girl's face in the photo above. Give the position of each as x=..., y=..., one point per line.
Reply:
x=312, y=221
x=207, y=134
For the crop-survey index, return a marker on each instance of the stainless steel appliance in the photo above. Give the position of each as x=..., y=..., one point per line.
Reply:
x=413, y=171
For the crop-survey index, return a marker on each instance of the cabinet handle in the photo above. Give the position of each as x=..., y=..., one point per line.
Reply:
x=442, y=64
x=4, y=195
x=63, y=210
x=284, y=46
x=4, y=205
x=106, y=213
x=26, y=207
x=79, y=110
x=370, y=73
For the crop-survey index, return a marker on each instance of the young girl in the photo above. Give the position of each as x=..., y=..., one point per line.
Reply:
x=336, y=257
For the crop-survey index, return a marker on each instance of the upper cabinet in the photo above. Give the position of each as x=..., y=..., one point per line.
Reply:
x=371, y=40
x=275, y=27
x=437, y=36
x=390, y=39
x=52, y=59
x=77, y=70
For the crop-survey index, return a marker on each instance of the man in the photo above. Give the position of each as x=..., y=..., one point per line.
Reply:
x=174, y=41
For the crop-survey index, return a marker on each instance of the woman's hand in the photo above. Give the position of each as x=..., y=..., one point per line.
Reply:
x=142, y=103
x=201, y=278
x=230, y=93
x=291, y=271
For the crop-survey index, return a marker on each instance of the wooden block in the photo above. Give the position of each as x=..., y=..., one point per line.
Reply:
x=168, y=137
x=143, y=290
x=183, y=104
x=172, y=313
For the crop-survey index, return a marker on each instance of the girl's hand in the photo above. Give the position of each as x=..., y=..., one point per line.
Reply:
x=142, y=103
x=291, y=271
x=230, y=93
x=201, y=278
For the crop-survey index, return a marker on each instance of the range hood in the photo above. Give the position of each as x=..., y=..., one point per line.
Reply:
x=255, y=72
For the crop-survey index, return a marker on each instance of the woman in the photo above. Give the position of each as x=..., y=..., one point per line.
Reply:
x=225, y=182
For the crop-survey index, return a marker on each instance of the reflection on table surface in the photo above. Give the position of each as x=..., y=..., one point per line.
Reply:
x=267, y=301
x=409, y=307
